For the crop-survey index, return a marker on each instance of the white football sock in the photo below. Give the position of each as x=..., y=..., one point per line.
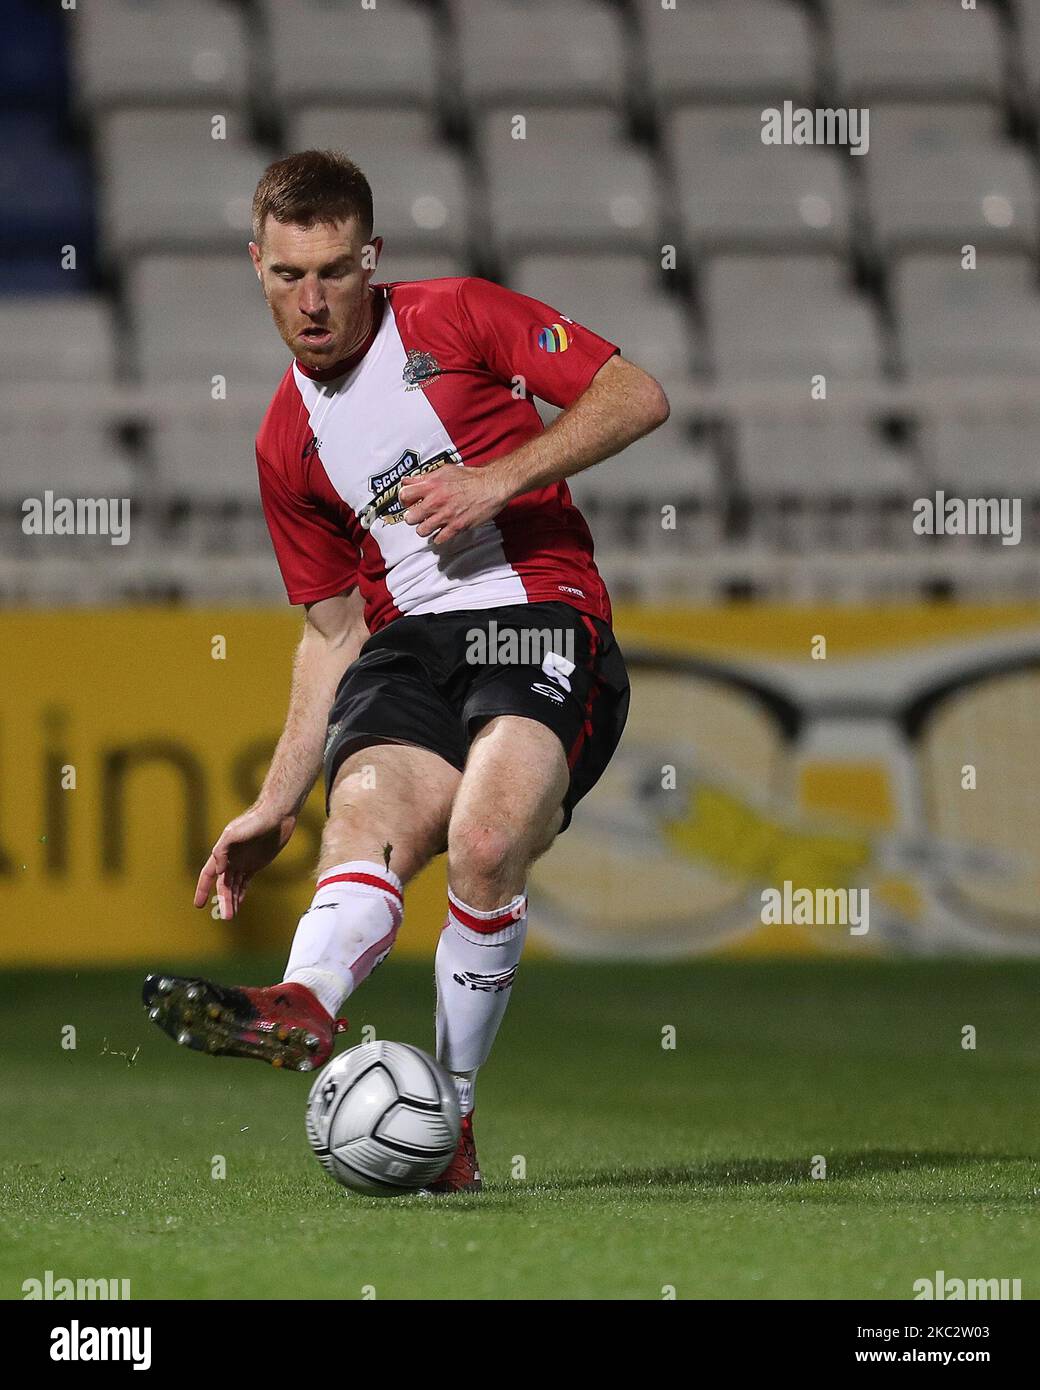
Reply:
x=466, y=1089
x=477, y=957
x=350, y=926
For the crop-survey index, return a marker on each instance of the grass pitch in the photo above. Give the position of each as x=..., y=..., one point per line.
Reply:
x=614, y=1168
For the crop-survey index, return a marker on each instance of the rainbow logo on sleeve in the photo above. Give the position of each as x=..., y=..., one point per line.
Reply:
x=554, y=339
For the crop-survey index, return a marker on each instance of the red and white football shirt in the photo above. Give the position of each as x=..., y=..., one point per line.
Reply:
x=447, y=374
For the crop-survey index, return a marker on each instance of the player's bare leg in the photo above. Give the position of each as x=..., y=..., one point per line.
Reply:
x=507, y=812
x=388, y=801
x=389, y=794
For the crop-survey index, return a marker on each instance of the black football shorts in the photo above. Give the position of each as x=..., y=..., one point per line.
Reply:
x=434, y=679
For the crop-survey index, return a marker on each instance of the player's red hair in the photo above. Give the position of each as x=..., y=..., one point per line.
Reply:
x=309, y=187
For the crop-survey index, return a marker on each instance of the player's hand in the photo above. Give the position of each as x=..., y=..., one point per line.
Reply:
x=246, y=845
x=452, y=499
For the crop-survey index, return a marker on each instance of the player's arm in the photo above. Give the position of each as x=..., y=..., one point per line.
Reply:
x=621, y=404
x=607, y=403
x=319, y=566
x=332, y=637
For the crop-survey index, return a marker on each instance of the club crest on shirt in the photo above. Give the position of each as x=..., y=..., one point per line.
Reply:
x=386, y=486
x=419, y=368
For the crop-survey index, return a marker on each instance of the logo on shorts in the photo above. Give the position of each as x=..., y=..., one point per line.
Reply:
x=333, y=734
x=554, y=338
x=386, y=486
x=419, y=368
x=311, y=447
x=550, y=691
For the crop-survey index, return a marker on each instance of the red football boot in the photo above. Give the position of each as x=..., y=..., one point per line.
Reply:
x=463, y=1172
x=283, y=1024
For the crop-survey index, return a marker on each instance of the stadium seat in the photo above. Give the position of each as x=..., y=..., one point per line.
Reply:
x=622, y=497
x=915, y=49
x=538, y=51
x=324, y=50
x=32, y=58
x=57, y=579
x=616, y=297
x=972, y=323
x=161, y=51
x=940, y=178
x=362, y=132
x=573, y=180
x=167, y=184
x=777, y=318
x=45, y=195
x=935, y=128
x=419, y=186
x=1028, y=17
x=824, y=481
x=820, y=453
x=84, y=458
x=180, y=575
x=36, y=130
x=37, y=275
x=56, y=340
x=736, y=193
x=208, y=456
x=984, y=451
x=665, y=466
x=195, y=317
x=718, y=49
x=668, y=465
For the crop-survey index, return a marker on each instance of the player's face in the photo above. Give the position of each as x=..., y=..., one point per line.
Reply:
x=316, y=282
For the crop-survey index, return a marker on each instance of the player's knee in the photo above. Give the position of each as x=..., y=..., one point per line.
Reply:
x=486, y=852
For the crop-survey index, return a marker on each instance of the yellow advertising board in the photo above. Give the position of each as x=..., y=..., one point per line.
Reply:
x=765, y=746
x=164, y=744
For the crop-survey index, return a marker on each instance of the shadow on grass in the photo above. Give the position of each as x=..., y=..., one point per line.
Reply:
x=782, y=1172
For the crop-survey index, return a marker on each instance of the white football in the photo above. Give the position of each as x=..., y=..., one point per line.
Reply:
x=383, y=1118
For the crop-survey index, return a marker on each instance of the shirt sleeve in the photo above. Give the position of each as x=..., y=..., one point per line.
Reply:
x=316, y=559
x=517, y=336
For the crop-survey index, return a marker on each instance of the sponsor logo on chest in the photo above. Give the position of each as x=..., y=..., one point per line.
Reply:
x=386, y=486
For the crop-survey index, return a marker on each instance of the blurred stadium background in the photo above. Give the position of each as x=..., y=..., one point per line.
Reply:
x=137, y=356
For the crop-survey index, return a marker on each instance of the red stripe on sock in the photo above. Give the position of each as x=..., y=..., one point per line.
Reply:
x=485, y=924
x=372, y=880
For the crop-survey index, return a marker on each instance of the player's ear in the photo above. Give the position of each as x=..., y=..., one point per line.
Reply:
x=254, y=256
